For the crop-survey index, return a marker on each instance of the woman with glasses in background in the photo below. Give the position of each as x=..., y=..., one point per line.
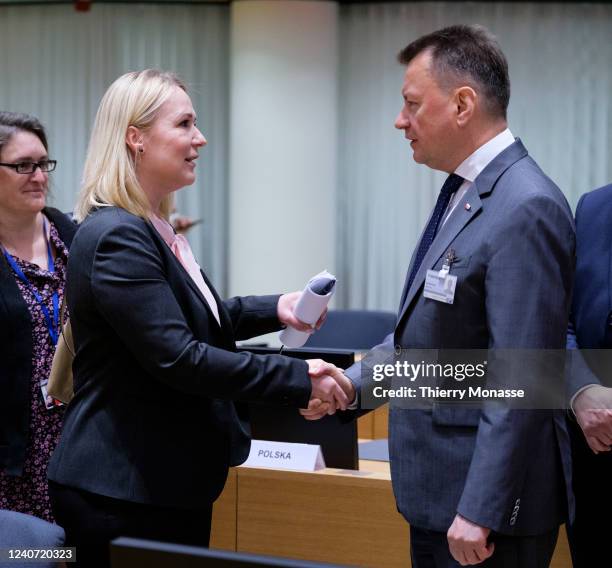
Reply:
x=34, y=242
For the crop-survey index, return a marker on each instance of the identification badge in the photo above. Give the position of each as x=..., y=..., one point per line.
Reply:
x=49, y=401
x=439, y=284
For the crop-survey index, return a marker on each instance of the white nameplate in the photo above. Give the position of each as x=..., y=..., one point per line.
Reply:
x=284, y=455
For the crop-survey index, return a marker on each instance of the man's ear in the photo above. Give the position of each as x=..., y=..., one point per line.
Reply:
x=465, y=99
x=134, y=140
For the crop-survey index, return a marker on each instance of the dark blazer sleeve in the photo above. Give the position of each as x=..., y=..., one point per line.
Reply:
x=578, y=372
x=130, y=290
x=382, y=353
x=527, y=287
x=253, y=315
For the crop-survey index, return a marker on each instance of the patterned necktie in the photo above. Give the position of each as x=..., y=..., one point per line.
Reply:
x=453, y=183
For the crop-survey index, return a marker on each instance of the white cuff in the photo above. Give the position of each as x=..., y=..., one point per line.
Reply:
x=355, y=404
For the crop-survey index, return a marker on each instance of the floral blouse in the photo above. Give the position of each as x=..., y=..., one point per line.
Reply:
x=29, y=493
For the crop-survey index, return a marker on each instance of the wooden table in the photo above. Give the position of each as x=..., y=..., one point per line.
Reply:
x=340, y=516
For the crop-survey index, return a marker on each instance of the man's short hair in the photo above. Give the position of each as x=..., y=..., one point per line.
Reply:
x=466, y=53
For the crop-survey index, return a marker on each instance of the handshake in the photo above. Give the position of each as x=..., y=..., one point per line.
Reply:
x=331, y=390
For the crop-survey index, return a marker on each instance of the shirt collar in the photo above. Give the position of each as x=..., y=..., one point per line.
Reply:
x=164, y=229
x=480, y=159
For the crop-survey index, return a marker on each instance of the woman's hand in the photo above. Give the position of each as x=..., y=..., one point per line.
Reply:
x=331, y=390
x=286, y=315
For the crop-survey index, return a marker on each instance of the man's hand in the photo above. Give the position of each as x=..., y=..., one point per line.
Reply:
x=319, y=407
x=593, y=408
x=467, y=542
x=286, y=315
x=331, y=390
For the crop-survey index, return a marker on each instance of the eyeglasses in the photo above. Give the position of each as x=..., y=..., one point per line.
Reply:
x=30, y=167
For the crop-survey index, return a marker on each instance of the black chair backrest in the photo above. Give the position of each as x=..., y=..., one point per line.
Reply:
x=21, y=531
x=130, y=552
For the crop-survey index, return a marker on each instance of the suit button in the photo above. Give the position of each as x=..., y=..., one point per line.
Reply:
x=398, y=349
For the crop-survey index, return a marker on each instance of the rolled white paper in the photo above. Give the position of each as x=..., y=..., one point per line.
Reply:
x=309, y=307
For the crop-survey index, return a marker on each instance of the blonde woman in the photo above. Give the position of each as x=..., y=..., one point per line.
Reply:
x=153, y=428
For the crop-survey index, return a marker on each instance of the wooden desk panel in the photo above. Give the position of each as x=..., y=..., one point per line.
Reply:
x=562, y=557
x=381, y=422
x=223, y=530
x=374, y=425
x=331, y=517
x=365, y=426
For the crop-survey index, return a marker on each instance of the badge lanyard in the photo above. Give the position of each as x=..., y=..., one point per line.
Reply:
x=52, y=322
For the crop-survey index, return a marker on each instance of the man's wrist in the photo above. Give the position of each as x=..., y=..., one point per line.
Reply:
x=354, y=405
x=578, y=393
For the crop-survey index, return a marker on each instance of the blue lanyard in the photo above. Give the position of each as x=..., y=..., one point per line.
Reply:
x=52, y=324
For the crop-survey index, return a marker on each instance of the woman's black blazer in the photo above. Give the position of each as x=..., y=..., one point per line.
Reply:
x=153, y=418
x=16, y=357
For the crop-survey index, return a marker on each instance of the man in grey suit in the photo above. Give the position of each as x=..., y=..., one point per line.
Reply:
x=479, y=485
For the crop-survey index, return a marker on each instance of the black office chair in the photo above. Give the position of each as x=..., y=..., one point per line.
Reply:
x=130, y=552
x=25, y=531
x=353, y=329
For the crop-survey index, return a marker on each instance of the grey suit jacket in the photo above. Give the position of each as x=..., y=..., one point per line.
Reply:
x=503, y=469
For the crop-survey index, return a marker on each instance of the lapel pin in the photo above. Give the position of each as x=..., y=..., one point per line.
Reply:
x=467, y=206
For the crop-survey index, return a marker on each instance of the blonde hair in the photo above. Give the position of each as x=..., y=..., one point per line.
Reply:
x=109, y=176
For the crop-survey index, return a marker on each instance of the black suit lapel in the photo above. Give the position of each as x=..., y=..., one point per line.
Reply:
x=226, y=322
x=194, y=287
